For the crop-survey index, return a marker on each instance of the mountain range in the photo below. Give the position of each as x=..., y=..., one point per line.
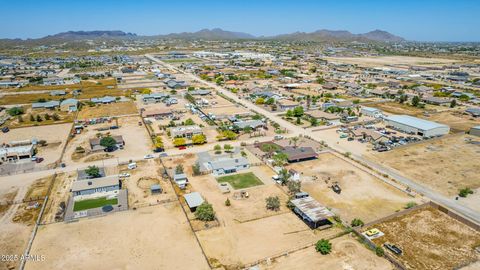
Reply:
x=219, y=34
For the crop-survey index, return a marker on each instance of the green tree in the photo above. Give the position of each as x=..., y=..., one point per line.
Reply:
x=415, y=101
x=323, y=246
x=453, y=103
x=294, y=186
x=313, y=121
x=38, y=118
x=356, y=222
x=159, y=142
x=284, y=176
x=379, y=251
x=227, y=148
x=280, y=159
x=32, y=118
x=205, y=212
x=260, y=101
x=179, y=169
x=270, y=101
x=273, y=203
x=298, y=111
x=108, y=142
x=189, y=122
x=15, y=111
x=47, y=116
x=289, y=113
x=227, y=202
x=217, y=148
x=196, y=169
x=464, y=192
x=93, y=172
x=179, y=142
x=199, y=139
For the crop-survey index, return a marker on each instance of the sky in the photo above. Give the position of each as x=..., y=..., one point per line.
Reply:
x=419, y=20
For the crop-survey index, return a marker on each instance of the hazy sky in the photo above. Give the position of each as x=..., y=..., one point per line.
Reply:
x=422, y=20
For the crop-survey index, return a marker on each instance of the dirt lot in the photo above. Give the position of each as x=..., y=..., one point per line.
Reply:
x=456, y=120
x=430, y=239
x=363, y=195
x=446, y=164
x=140, y=239
x=388, y=60
x=64, y=117
x=347, y=254
x=55, y=135
x=60, y=193
x=107, y=110
x=137, y=142
x=397, y=108
x=138, y=184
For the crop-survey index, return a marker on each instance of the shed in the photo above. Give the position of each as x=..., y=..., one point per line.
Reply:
x=312, y=212
x=155, y=189
x=193, y=200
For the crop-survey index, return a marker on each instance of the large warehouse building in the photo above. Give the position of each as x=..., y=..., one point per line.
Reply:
x=414, y=125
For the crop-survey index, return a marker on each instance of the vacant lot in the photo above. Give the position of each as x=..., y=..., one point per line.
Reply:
x=241, y=180
x=347, y=253
x=388, y=60
x=46, y=118
x=363, y=195
x=397, y=108
x=430, y=239
x=457, y=121
x=446, y=164
x=107, y=110
x=156, y=237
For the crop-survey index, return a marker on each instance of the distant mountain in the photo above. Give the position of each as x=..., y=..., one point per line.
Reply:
x=341, y=35
x=215, y=33
x=90, y=35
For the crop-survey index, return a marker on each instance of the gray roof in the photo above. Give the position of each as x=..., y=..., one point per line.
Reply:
x=227, y=163
x=48, y=104
x=193, y=199
x=312, y=209
x=79, y=185
x=415, y=122
x=180, y=176
x=70, y=101
x=249, y=123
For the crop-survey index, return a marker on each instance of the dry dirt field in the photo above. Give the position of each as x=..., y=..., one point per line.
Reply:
x=457, y=121
x=137, y=142
x=64, y=117
x=388, y=60
x=55, y=135
x=397, y=108
x=347, y=254
x=147, y=173
x=430, y=239
x=156, y=237
x=363, y=195
x=60, y=193
x=107, y=110
x=446, y=164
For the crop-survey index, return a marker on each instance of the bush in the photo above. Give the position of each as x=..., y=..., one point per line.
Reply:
x=227, y=202
x=205, y=212
x=410, y=205
x=108, y=142
x=273, y=203
x=379, y=251
x=93, y=171
x=196, y=169
x=464, y=192
x=323, y=246
x=357, y=222
x=15, y=111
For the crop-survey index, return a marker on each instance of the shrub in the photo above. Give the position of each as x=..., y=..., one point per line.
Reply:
x=379, y=251
x=205, y=212
x=464, y=192
x=323, y=246
x=357, y=222
x=227, y=202
x=273, y=203
x=15, y=111
x=410, y=205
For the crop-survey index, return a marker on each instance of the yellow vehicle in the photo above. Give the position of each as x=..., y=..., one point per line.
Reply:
x=372, y=232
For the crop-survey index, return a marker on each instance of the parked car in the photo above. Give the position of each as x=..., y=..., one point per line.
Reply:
x=163, y=154
x=149, y=156
x=38, y=160
x=393, y=249
x=5, y=129
x=372, y=232
x=124, y=175
x=182, y=147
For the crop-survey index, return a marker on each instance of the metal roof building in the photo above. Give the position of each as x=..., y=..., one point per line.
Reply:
x=414, y=125
x=193, y=200
x=312, y=211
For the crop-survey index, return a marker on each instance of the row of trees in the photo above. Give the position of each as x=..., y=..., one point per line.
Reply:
x=196, y=139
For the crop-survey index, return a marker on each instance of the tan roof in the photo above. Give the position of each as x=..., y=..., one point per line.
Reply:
x=322, y=115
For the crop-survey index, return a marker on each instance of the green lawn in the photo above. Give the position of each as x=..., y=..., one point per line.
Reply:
x=242, y=180
x=93, y=203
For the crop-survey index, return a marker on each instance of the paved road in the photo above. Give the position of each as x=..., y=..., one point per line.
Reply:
x=433, y=195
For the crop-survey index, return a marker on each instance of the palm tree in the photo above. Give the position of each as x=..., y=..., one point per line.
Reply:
x=294, y=140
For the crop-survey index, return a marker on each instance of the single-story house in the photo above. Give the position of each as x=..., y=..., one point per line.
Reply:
x=58, y=93
x=295, y=154
x=173, y=84
x=254, y=124
x=158, y=113
x=185, y=131
x=317, y=114
x=69, y=105
x=103, y=100
x=372, y=112
x=193, y=200
x=95, y=185
x=46, y=105
x=475, y=112
x=368, y=134
x=199, y=92
x=436, y=100
x=154, y=97
x=286, y=104
x=228, y=165
x=16, y=152
x=95, y=143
